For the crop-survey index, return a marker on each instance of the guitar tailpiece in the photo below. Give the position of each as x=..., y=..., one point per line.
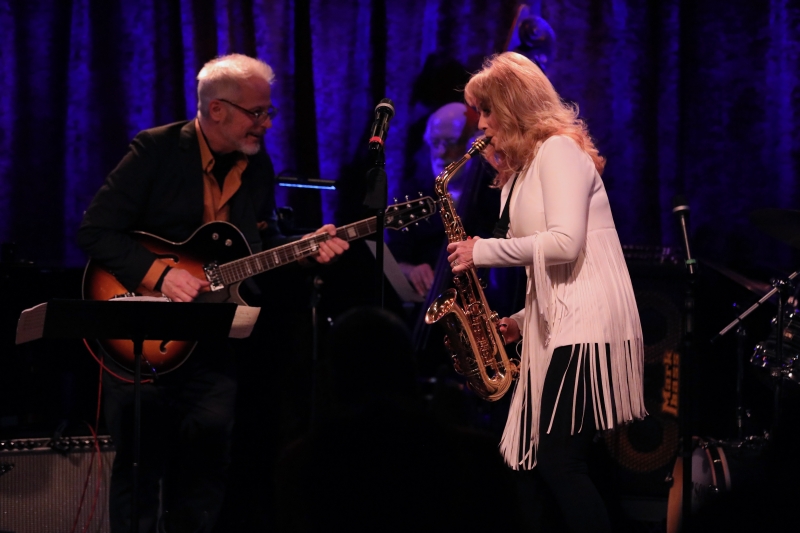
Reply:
x=213, y=276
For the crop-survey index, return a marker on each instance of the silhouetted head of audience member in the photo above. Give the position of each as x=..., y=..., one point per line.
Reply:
x=370, y=359
x=384, y=463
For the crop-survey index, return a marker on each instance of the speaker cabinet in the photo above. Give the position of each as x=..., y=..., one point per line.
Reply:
x=645, y=451
x=42, y=483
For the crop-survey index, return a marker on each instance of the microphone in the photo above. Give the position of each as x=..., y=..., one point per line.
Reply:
x=384, y=111
x=681, y=208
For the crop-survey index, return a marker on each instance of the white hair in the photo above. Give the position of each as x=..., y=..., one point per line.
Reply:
x=220, y=78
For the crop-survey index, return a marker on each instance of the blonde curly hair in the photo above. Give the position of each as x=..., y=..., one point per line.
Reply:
x=527, y=109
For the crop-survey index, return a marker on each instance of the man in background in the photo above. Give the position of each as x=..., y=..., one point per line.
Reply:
x=448, y=132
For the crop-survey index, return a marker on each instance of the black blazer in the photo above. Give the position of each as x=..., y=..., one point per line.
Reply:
x=158, y=188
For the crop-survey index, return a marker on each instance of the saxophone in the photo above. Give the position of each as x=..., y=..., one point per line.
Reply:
x=473, y=340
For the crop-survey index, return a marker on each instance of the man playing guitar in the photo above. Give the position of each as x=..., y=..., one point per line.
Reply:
x=174, y=179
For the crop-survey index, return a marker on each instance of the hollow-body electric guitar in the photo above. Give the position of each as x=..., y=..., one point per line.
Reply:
x=218, y=253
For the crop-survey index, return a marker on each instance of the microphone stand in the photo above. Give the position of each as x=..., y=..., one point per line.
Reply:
x=741, y=334
x=686, y=379
x=376, y=200
x=316, y=285
x=685, y=402
x=775, y=372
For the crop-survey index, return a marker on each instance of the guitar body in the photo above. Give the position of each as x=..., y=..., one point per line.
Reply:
x=213, y=242
x=223, y=248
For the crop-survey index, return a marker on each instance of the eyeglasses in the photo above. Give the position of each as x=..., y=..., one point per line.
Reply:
x=258, y=116
x=439, y=143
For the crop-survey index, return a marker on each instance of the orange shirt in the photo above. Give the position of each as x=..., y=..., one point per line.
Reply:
x=215, y=199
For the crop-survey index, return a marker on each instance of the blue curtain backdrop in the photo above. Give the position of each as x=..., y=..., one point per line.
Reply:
x=692, y=97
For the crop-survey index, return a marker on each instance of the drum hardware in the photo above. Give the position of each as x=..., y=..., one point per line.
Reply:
x=718, y=467
x=705, y=462
x=769, y=354
x=778, y=286
x=762, y=289
x=765, y=354
x=741, y=334
x=784, y=225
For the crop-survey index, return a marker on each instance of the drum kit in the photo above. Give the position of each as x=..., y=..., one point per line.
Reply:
x=719, y=466
x=779, y=355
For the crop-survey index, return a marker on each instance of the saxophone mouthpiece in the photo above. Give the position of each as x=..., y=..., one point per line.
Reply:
x=479, y=144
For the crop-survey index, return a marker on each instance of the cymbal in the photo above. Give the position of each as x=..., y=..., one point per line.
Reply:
x=758, y=287
x=782, y=224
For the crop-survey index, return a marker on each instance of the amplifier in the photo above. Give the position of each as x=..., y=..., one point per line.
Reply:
x=42, y=480
x=645, y=451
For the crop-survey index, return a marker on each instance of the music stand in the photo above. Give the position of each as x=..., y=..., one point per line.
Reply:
x=136, y=321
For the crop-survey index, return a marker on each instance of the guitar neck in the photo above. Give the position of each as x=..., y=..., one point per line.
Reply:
x=246, y=267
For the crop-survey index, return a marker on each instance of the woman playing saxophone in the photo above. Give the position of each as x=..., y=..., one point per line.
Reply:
x=582, y=351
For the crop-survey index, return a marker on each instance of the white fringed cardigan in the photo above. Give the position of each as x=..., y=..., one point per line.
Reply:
x=579, y=293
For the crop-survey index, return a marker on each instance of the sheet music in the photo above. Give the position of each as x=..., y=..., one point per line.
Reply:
x=31, y=323
x=395, y=276
x=243, y=321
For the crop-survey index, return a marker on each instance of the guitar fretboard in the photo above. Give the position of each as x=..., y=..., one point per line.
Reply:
x=244, y=268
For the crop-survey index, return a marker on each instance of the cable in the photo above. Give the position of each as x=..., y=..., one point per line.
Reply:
x=85, y=483
x=104, y=367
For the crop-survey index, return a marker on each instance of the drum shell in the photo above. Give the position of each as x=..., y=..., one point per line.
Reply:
x=718, y=468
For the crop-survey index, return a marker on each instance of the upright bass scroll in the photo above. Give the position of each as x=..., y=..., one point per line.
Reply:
x=474, y=342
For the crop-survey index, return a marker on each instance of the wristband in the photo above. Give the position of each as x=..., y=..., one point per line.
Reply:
x=157, y=286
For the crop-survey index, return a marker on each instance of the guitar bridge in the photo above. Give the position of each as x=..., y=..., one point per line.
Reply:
x=124, y=295
x=214, y=276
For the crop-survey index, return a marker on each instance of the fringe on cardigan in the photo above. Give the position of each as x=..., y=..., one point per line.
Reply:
x=600, y=282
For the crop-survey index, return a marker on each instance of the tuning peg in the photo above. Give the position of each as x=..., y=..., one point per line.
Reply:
x=420, y=193
x=405, y=229
x=395, y=199
x=416, y=223
x=406, y=197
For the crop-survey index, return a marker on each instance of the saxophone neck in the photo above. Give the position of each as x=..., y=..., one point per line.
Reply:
x=452, y=223
x=450, y=170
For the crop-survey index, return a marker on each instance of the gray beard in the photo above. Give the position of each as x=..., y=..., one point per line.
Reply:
x=250, y=150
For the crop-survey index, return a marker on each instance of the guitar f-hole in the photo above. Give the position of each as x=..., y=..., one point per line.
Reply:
x=173, y=257
x=163, y=346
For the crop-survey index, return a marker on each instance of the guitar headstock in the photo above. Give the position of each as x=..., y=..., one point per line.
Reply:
x=403, y=214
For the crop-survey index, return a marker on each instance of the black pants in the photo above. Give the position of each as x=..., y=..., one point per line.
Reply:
x=187, y=419
x=562, y=458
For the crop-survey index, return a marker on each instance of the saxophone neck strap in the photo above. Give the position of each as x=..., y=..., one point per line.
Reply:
x=501, y=228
